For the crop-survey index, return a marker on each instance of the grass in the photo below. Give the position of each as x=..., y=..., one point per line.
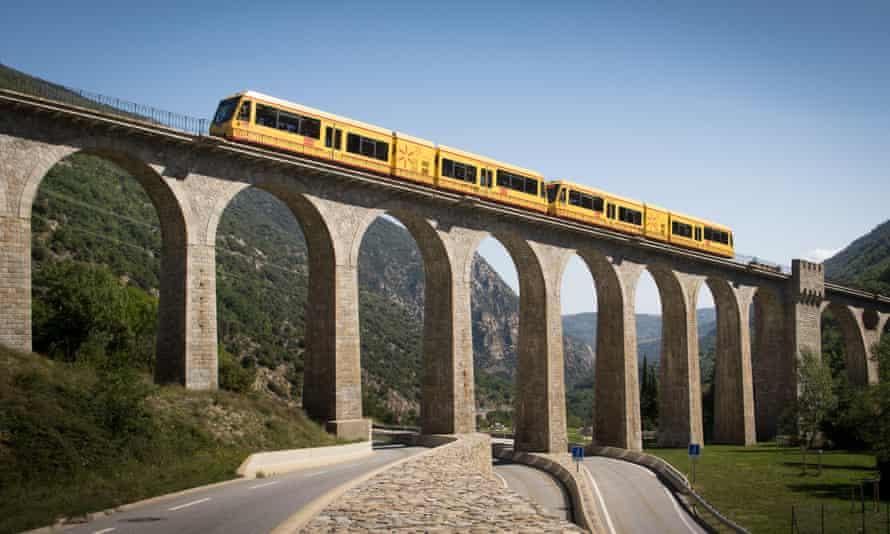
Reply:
x=75, y=440
x=757, y=486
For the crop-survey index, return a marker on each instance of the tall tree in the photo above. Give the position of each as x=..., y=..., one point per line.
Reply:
x=815, y=399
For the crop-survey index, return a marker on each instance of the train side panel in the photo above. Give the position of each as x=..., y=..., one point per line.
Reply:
x=415, y=159
x=657, y=224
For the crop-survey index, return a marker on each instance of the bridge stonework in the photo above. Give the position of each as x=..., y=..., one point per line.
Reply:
x=191, y=179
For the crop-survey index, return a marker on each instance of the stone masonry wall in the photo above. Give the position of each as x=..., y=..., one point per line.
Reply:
x=448, y=489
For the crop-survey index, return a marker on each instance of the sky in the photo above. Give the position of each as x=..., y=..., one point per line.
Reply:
x=772, y=118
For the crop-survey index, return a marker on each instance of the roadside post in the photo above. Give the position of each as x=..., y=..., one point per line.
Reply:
x=694, y=453
x=578, y=455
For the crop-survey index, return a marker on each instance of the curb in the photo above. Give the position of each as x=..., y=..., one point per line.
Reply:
x=583, y=505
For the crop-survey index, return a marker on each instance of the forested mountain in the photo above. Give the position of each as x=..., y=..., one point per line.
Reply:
x=865, y=262
x=582, y=326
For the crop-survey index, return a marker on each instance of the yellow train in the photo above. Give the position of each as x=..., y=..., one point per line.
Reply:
x=255, y=118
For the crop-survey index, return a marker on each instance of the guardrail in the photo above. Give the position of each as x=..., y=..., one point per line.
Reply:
x=24, y=84
x=678, y=482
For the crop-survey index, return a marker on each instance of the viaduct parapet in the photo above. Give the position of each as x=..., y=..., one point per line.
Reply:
x=191, y=179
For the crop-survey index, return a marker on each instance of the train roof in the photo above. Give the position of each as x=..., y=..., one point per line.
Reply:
x=493, y=162
x=712, y=224
x=418, y=140
x=313, y=111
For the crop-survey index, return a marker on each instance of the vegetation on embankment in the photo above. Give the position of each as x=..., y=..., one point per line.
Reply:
x=757, y=486
x=76, y=439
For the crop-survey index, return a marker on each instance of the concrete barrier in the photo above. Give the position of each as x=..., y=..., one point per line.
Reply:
x=561, y=466
x=275, y=462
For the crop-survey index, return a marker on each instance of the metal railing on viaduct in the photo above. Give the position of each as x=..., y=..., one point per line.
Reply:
x=191, y=178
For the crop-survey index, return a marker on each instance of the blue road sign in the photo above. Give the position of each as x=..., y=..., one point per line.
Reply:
x=577, y=453
x=694, y=450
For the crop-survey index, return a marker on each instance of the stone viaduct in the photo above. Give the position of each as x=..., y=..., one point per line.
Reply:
x=192, y=178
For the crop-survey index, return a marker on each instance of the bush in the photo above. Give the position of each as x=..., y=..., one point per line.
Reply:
x=232, y=375
x=82, y=312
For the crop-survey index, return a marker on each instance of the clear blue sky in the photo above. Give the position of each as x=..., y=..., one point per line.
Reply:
x=772, y=119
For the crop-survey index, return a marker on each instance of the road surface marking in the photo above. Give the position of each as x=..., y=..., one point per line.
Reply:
x=679, y=510
x=264, y=485
x=104, y=530
x=643, y=469
x=503, y=480
x=316, y=474
x=602, y=501
x=186, y=505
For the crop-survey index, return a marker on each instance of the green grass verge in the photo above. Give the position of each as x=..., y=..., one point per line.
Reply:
x=75, y=440
x=757, y=486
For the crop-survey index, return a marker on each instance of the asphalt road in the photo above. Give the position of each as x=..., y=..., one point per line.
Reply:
x=245, y=506
x=632, y=500
x=536, y=485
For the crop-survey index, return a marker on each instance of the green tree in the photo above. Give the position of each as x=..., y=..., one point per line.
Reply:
x=234, y=375
x=815, y=399
x=82, y=312
x=872, y=412
x=649, y=395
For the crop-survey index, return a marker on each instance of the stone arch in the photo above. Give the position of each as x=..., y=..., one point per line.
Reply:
x=733, y=387
x=539, y=412
x=773, y=368
x=616, y=411
x=680, y=409
x=172, y=351
x=332, y=342
x=855, y=350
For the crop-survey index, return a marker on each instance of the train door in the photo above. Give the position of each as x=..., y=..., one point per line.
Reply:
x=333, y=139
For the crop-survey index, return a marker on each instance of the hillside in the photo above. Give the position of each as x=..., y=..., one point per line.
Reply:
x=582, y=327
x=74, y=439
x=865, y=262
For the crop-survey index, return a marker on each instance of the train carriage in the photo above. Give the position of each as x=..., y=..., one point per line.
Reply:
x=592, y=206
x=695, y=233
x=490, y=179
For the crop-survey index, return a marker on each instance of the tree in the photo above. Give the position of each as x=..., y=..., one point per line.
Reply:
x=648, y=395
x=873, y=413
x=815, y=399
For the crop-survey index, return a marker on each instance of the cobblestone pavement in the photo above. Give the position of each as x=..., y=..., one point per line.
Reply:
x=448, y=490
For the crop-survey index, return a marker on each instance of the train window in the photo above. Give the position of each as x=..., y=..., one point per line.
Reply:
x=459, y=171
x=244, y=113
x=266, y=116
x=717, y=236
x=225, y=110
x=562, y=196
x=517, y=182
x=630, y=216
x=698, y=233
x=574, y=198
x=682, y=229
x=610, y=211
x=372, y=148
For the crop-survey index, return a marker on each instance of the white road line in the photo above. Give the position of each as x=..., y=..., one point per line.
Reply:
x=503, y=480
x=104, y=530
x=602, y=501
x=186, y=505
x=316, y=474
x=264, y=485
x=679, y=510
x=643, y=469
